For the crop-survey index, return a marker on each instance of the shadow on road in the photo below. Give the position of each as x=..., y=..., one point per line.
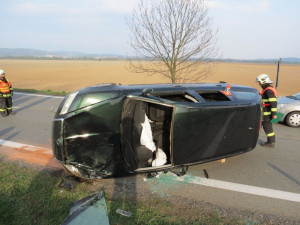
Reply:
x=33, y=104
x=284, y=173
x=19, y=99
x=6, y=130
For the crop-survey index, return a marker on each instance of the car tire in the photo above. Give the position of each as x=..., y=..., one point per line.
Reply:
x=293, y=119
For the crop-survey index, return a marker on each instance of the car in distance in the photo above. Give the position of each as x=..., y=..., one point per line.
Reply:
x=111, y=130
x=289, y=106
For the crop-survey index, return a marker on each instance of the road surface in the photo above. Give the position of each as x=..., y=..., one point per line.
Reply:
x=263, y=181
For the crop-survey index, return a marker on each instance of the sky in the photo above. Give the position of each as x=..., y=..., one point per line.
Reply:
x=247, y=29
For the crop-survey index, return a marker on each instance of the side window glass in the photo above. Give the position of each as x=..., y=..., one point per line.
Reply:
x=213, y=96
x=178, y=97
x=242, y=95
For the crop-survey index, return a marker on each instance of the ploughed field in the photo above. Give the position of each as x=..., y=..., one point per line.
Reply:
x=69, y=75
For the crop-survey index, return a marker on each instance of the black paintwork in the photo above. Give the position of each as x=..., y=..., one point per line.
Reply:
x=99, y=139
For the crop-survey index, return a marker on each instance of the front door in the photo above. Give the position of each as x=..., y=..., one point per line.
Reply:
x=139, y=114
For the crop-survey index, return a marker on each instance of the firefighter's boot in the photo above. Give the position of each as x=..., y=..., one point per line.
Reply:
x=11, y=113
x=268, y=144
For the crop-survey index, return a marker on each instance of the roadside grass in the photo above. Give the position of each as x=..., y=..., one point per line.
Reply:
x=48, y=92
x=31, y=197
x=28, y=196
x=157, y=212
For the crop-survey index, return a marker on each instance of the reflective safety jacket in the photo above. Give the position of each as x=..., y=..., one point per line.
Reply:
x=269, y=98
x=5, y=88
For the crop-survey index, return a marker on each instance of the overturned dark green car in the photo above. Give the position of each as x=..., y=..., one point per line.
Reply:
x=111, y=130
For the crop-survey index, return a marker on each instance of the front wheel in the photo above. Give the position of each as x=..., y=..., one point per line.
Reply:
x=293, y=119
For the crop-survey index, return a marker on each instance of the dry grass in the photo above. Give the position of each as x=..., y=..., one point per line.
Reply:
x=63, y=75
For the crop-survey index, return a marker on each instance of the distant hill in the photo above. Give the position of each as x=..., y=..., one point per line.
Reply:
x=25, y=53
x=22, y=52
x=291, y=60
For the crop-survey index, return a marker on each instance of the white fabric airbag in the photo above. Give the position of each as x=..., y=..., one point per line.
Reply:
x=160, y=159
x=146, y=136
x=147, y=140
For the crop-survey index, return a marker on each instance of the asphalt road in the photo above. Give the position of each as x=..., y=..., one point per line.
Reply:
x=263, y=181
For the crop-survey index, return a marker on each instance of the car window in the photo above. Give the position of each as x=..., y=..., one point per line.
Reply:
x=176, y=96
x=213, y=96
x=180, y=98
x=242, y=95
x=83, y=100
x=297, y=96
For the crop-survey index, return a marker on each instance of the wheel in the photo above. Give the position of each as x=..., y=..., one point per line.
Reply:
x=293, y=119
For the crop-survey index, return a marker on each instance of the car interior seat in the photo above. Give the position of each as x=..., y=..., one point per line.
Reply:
x=143, y=154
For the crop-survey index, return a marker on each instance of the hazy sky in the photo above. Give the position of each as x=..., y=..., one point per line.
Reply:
x=248, y=29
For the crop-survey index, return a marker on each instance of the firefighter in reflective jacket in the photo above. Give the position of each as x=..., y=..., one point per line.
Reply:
x=269, y=99
x=6, y=91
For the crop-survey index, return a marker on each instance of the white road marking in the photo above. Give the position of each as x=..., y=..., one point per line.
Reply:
x=24, y=146
x=37, y=95
x=266, y=192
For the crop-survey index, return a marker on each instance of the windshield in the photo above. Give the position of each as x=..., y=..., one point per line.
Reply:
x=297, y=96
x=77, y=101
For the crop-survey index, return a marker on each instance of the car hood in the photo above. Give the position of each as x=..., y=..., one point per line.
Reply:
x=286, y=100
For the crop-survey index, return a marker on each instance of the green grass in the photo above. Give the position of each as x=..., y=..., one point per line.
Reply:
x=48, y=92
x=31, y=197
x=28, y=196
x=153, y=213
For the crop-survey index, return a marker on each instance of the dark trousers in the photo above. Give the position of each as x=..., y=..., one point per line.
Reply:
x=268, y=128
x=6, y=104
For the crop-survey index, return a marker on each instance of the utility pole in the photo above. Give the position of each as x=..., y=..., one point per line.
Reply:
x=277, y=77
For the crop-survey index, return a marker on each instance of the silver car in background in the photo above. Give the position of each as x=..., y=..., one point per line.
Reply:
x=289, y=106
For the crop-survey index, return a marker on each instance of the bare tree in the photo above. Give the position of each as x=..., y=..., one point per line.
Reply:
x=176, y=36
